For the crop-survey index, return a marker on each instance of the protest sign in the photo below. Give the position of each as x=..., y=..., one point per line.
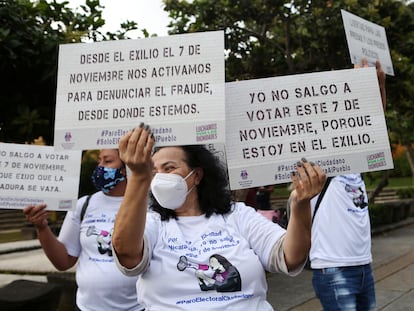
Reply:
x=175, y=84
x=32, y=174
x=334, y=119
x=366, y=39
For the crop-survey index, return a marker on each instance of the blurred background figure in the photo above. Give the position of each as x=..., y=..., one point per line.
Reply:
x=263, y=197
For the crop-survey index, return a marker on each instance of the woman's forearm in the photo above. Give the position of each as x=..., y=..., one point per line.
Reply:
x=55, y=250
x=298, y=236
x=127, y=238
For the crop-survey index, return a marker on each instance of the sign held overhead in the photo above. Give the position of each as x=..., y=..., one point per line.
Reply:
x=175, y=84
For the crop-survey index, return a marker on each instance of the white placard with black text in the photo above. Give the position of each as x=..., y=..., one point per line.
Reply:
x=32, y=174
x=175, y=84
x=367, y=39
x=334, y=119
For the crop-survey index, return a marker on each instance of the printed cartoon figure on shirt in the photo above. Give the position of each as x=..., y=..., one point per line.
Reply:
x=357, y=196
x=103, y=238
x=219, y=274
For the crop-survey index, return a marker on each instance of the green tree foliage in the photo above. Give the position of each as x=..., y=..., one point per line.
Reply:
x=276, y=37
x=89, y=162
x=30, y=34
x=400, y=113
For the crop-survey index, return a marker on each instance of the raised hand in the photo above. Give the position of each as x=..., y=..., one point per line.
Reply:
x=135, y=149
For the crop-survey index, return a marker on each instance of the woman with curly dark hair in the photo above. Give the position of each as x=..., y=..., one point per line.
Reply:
x=194, y=248
x=214, y=181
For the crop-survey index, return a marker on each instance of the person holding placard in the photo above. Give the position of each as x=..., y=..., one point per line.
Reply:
x=85, y=240
x=194, y=248
x=340, y=254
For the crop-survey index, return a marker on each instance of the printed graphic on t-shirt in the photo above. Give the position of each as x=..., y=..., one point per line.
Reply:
x=219, y=274
x=358, y=197
x=103, y=239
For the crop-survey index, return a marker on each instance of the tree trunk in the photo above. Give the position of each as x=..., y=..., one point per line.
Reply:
x=381, y=185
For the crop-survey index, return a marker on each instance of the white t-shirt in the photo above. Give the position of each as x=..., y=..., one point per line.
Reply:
x=101, y=286
x=341, y=231
x=216, y=263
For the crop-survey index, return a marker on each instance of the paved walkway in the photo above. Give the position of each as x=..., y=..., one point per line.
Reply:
x=392, y=248
x=24, y=260
x=393, y=263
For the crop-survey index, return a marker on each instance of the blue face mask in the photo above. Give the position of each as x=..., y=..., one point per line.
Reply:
x=106, y=178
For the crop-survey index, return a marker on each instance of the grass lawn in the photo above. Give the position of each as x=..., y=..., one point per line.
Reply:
x=10, y=236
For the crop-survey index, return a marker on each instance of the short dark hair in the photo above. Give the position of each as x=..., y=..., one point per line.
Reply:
x=213, y=192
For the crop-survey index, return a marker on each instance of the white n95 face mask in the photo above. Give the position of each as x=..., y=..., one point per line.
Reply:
x=170, y=190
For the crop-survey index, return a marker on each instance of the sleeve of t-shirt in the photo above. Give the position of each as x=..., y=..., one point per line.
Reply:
x=70, y=231
x=152, y=228
x=139, y=268
x=261, y=233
